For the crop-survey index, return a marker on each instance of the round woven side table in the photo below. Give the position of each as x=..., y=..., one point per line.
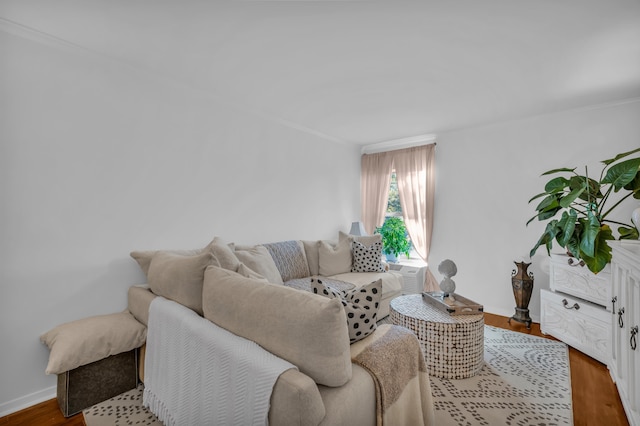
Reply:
x=453, y=345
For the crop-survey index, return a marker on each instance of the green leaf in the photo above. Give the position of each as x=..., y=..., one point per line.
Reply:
x=593, y=190
x=548, y=203
x=627, y=233
x=568, y=199
x=602, y=251
x=546, y=238
x=564, y=169
x=535, y=197
x=556, y=185
x=634, y=185
x=622, y=173
x=589, y=235
x=619, y=156
x=567, y=225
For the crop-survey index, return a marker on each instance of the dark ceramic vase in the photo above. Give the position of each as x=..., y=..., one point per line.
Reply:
x=522, y=283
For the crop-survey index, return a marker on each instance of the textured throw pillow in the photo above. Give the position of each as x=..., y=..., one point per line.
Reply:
x=290, y=259
x=258, y=259
x=334, y=260
x=367, y=259
x=87, y=340
x=179, y=277
x=360, y=304
x=300, y=327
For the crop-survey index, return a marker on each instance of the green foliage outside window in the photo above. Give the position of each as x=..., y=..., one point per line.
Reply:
x=393, y=206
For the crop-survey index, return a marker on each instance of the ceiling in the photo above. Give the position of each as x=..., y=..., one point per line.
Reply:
x=366, y=71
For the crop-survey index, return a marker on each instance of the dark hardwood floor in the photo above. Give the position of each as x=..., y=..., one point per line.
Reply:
x=595, y=397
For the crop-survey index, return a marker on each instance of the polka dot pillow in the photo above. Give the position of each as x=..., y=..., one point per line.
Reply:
x=366, y=258
x=360, y=304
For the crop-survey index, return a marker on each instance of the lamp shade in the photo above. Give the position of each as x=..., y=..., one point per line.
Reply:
x=357, y=228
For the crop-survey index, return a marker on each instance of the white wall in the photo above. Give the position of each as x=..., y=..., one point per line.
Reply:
x=486, y=176
x=97, y=160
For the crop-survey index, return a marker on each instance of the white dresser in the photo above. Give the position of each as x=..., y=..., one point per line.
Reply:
x=625, y=353
x=577, y=310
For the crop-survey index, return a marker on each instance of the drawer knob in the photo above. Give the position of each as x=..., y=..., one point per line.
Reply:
x=632, y=341
x=565, y=303
x=620, y=320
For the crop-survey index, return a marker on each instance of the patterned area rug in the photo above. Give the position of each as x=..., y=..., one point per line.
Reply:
x=124, y=409
x=525, y=381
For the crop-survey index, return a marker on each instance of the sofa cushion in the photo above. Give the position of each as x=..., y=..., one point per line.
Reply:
x=258, y=259
x=360, y=304
x=332, y=259
x=305, y=329
x=87, y=340
x=367, y=258
x=179, y=277
x=290, y=259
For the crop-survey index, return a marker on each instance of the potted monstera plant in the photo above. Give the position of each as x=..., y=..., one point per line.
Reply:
x=576, y=208
x=394, y=238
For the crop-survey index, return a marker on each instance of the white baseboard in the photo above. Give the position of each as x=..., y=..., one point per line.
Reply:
x=26, y=401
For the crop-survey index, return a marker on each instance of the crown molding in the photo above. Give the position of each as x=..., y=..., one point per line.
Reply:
x=402, y=143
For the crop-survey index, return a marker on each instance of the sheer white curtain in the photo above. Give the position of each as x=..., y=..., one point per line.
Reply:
x=374, y=188
x=415, y=171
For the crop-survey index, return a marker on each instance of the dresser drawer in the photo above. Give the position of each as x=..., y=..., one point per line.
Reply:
x=586, y=328
x=579, y=281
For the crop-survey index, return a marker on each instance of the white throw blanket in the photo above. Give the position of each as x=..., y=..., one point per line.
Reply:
x=197, y=373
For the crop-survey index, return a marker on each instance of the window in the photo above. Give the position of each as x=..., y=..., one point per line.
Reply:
x=393, y=206
x=394, y=209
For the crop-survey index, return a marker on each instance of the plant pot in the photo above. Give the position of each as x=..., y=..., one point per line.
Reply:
x=391, y=258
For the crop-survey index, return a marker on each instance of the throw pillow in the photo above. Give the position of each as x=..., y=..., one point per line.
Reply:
x=367, y=240
x=334, y=260
x=258, y=259
x=290, y=259
x=224, y=252
x=360, y=304
x=300, y=327
x=311, y=253
x=247, y=272
x=179, y=277
x=87, y=340
x=367, y=259
x=143, y=257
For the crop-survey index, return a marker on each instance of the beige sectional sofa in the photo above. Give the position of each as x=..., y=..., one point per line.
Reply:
x=265, y=293
x=291, y=263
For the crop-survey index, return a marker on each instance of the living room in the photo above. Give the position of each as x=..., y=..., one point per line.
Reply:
x=102, y=155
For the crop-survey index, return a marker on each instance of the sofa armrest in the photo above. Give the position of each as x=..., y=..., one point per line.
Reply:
x=296, y=400
x=139, y=299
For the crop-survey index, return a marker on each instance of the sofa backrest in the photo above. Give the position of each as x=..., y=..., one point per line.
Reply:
x=305, y=329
